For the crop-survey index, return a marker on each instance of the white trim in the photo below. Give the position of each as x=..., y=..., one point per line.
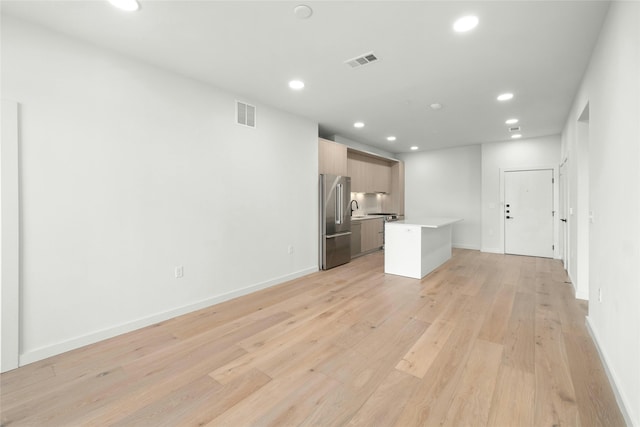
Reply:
x=61, y=347
x=10, y=242
x=622, y=400
x=465, y=246
x=580, y=295
x=492, y=250
x=577, y=295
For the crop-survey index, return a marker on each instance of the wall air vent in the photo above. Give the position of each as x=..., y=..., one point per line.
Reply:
x=365, y=59
x=245, y=114
x=514, y=129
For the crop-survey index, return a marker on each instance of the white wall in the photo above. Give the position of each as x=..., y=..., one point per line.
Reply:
x=127, y=171
x=526, y=153
x=9, y=238
x=611, y=88
x=446, y=183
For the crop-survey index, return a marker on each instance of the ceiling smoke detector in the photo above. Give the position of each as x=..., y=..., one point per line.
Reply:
x=361, y=60
x=302, y=11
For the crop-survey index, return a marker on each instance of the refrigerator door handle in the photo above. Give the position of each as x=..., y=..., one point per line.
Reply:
x=339, y=204
x=338, y=235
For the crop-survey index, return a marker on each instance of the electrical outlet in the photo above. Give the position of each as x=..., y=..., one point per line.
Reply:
x=179, y=272
x=290, y=249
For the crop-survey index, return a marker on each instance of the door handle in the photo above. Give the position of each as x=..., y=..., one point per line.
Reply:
x=509, y=217
x=563, y=219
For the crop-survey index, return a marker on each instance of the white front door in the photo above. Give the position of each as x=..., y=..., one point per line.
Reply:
x=528, y=224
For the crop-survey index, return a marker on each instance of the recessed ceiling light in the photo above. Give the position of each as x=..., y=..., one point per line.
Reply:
x=128, y=5
x=358, y=125
x=414, y=148
x=436, y=106
x=516, y=136
x=296, y=84
x=504, y=96
x=466, y=23
x=302, y=11
x=511, y=121
x=391, y=138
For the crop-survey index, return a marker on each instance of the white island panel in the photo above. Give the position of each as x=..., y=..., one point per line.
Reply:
x=405, y=257
x=414, y=248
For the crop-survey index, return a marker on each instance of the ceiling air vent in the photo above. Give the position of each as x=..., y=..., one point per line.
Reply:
x=514, y=129
x=245, y=114
x=365, y=59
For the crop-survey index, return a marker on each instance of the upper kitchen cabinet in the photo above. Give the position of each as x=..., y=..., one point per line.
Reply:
x=394, y=202
x=332, y=158
x=369, y=174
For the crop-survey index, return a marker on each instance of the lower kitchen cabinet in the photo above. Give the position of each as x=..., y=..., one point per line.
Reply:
x=356, y=239
x=371, y=234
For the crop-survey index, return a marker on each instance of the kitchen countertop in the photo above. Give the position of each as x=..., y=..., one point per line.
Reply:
x=427, y=222
x=365, y=217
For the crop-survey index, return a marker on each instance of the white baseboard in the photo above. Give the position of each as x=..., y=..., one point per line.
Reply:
x=623, y=402
x=578, y=295
x=94, y=337
x=465, y=246
x=492, y=250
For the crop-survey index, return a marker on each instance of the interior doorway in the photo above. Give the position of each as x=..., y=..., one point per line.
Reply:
x=580, y=216
x=528, y=212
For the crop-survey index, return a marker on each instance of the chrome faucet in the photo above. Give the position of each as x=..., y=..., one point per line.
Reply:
x=351, y=206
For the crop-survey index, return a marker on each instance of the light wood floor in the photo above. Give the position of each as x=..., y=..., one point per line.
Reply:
x=486, y=340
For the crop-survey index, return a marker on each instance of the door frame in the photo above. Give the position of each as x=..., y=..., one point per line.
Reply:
x=564, y=232
x=554, y=169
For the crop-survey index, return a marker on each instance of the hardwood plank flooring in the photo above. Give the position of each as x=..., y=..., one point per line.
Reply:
x=484, y=340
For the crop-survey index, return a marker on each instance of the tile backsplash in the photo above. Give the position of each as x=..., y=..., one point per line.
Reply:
x=368, y=203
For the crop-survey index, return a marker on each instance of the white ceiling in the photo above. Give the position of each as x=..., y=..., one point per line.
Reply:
x=536, y=49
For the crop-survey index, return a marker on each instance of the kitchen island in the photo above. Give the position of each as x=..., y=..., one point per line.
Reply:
x=414, y=247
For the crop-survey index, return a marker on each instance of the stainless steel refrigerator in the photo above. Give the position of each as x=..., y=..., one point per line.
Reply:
x=335, y=220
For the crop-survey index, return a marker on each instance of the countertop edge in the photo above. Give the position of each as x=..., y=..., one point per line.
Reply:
x=426, y=222
x=364, y=218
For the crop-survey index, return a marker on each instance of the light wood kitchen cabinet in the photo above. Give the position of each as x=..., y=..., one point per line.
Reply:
x=368, y=174
x=356, y=238
x=355, y=170
x=332, y=158
x=372, y=234
x=394, y=201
